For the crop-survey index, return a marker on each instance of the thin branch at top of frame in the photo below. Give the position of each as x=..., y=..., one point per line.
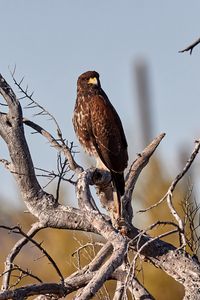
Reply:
x=190, y=47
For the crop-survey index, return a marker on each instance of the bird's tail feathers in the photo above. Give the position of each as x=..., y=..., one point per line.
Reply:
x=119, y=186
x=119, y=183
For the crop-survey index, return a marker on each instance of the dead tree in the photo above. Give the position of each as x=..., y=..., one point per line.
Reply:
x=110, y=262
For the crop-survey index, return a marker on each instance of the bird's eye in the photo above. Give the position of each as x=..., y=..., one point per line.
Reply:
x=93, y=80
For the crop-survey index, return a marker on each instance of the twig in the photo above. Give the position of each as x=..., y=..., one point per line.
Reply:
x=26, y=272
x=187, y=166
x=153, y=205
x=191, y=209
x=190, y=47
x=54, y=143
x=15, y=251
x=84, y=247
x=178, y=177
x=149, y=228
x=33, y=103
x=18, y=230
x=101, y=256
x=61, y=172
x=53, y=175
x=172, y=188
x=3, y=104
x=139, y=251
x=77, y=252
x=97, y=261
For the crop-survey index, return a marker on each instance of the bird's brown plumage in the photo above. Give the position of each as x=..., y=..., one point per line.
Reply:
x=99, y=128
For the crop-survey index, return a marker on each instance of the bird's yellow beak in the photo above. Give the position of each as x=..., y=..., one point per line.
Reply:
x=93, y=80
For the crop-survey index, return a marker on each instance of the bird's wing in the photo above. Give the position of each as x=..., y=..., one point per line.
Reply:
x=108, y=134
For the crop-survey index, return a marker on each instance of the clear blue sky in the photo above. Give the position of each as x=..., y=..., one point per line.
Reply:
x=52, y=42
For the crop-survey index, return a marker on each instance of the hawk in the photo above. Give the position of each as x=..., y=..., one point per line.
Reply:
x=99, y=130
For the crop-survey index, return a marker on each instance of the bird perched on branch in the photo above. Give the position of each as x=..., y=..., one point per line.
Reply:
x=99, y=130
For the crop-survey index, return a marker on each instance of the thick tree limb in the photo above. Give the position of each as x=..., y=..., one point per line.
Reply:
x=131, y=283
x=11, y=130
x=70, y=285
x=118, y=242
x=176, y=263
x=47, y=288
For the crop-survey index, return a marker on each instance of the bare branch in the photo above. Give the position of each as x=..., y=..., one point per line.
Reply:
x=134, y=172
x=190, y=47
x=33, y=103
x=119, y=242
x=120, y=294
x=12, y=132
x=23, y=273
x=14, y=252
x=176, y=263
x=191, y=222
x=26, y=272
x=70, y=285
x=47, y=288
x=54, y=143
x=18, y=230
x=139, y=164
x=187, y=166
x=61, y=172
x=137, y=290
x=172, y=188
x=177, y=179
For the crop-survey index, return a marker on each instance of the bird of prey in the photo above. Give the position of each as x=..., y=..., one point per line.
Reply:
x=99, y=130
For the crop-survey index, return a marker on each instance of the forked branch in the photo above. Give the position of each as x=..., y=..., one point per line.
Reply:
x=190, y=47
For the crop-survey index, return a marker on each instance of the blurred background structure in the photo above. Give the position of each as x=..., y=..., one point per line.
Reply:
x=145, y=111
x=134, y=46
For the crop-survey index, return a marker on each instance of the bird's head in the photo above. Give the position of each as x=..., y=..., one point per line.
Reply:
x=88, y=81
